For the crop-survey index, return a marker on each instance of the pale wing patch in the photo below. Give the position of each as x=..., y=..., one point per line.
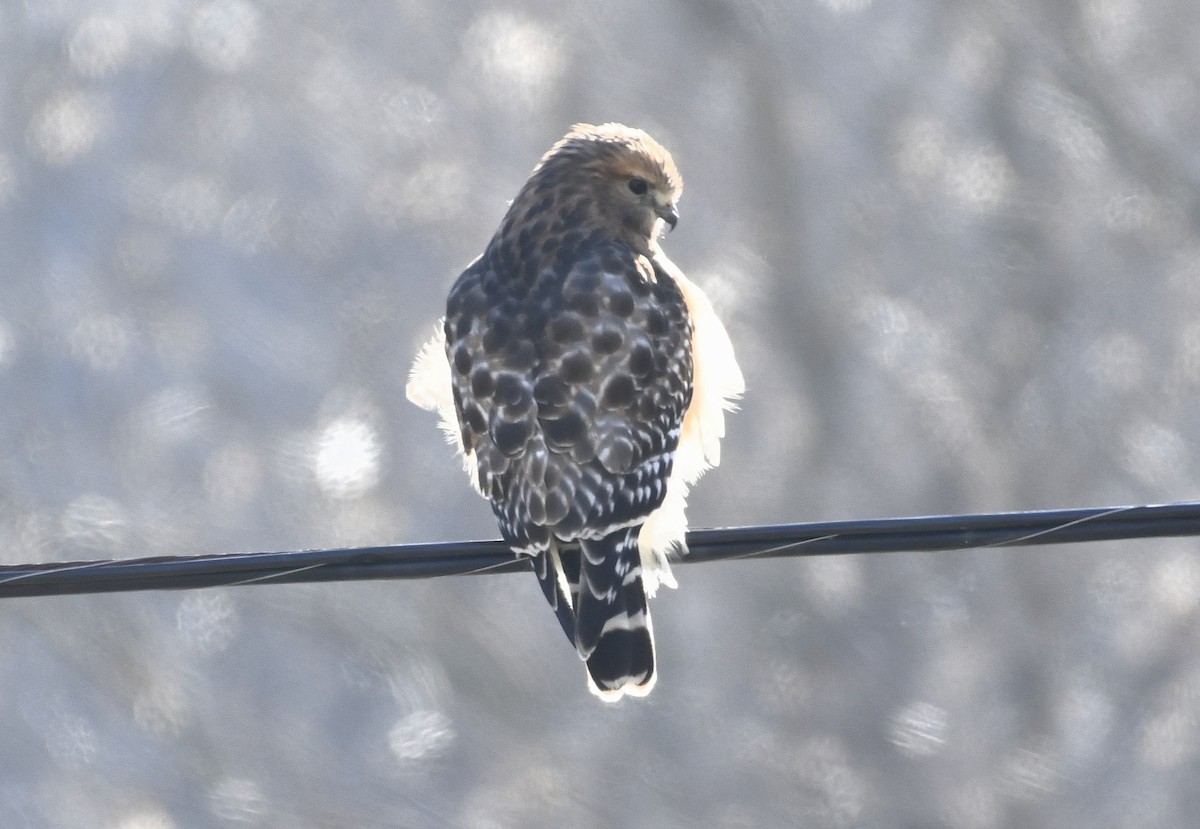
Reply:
x=429, y=386
x=560, y=576
x=716, y=383
x=662, y=534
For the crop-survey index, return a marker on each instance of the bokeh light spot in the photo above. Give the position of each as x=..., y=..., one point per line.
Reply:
x=1085, y=716
x=206, y=622
x=918, y=729
x=921, y=151
x=980, y=180
x=1112, y=26
x=1169, y=738
x=845, y=6
x=99, y=46
x=224, y=34
x=834, y=582
x=161, y=707
x=1118, y=361
x=1129, y=212
x=101, y=340
x=823, y=765
x=520, y=59
x=1175, y=584
x=1155, y=453
x=174, y=415
x=434, y=193
x=192, y=205
x=146, y=820
x=420, y=734
x=96, y=523
x=345, y=460
x=409, y=110
x=238, y=800
x=70, y=739
x=65, y=128
x=977, y=58
x=1030, y=773
x=1115, y=585
x=1064, y=121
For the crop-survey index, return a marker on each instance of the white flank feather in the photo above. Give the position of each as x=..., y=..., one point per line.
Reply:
x=429, y=386
x=716, y=382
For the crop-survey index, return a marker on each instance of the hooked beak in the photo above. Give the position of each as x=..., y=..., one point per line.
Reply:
x=669, y=215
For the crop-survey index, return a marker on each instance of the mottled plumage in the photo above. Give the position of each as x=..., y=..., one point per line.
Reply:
x=585, y=379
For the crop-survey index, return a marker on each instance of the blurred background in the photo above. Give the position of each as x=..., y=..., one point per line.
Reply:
x=955, y=244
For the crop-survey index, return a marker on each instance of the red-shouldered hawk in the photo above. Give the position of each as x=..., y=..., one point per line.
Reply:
x=585, y=380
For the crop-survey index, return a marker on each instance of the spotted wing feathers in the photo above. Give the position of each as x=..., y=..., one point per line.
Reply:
x=570, y=391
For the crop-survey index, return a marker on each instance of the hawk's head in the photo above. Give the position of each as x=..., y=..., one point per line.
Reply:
x=613, y=176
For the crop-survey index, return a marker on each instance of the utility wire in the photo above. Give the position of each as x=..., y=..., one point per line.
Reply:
x=416, y=561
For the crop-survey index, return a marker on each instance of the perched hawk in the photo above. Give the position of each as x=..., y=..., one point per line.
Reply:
x=585, y=379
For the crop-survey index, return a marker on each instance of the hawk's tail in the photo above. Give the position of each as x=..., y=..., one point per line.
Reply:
x=612, y=621
x=610, y=625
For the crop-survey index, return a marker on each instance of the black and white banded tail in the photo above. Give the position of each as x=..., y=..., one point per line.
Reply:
x=595, y=587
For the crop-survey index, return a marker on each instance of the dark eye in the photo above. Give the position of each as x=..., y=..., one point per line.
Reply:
x=638, y=186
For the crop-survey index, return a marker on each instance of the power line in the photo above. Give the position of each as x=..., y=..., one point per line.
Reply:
x=415, y=561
